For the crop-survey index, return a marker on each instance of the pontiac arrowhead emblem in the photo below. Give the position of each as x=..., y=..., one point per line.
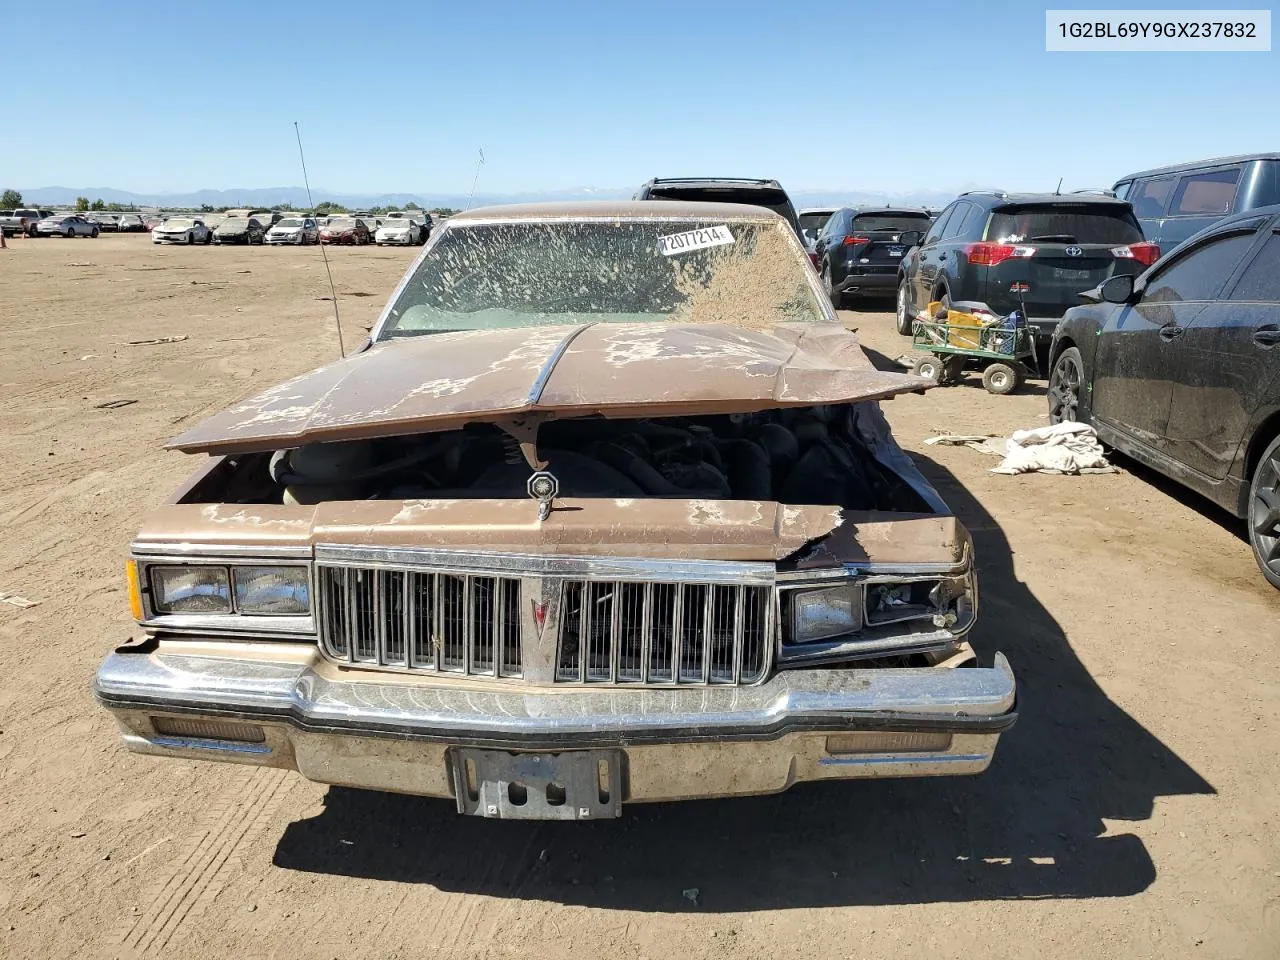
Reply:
x=539, y=614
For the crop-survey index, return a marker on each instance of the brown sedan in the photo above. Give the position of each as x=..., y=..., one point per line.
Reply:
x=345, y=230
x=605, y=512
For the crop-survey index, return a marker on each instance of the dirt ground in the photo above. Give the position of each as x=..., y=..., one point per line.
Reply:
x=1130, y=813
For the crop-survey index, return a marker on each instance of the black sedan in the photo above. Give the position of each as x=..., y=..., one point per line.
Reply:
x=246, y=230
x=1179, y=368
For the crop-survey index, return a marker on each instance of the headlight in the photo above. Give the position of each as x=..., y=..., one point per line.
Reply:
x=248, y=590
x=825, y=613
x=272, y=590
x=194, y=589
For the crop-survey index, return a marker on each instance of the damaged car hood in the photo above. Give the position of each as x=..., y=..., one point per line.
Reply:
x=446, y=380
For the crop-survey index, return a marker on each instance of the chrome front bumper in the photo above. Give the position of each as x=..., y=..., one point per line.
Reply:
x=395, y=732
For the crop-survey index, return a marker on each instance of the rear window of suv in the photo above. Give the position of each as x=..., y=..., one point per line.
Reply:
x=1064, y=223
x=891, y=221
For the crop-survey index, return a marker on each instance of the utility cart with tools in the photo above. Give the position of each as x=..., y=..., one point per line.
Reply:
x=953, y=335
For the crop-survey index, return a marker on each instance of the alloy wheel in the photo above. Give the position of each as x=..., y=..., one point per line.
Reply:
x=1064, y=389
x=1264, y=513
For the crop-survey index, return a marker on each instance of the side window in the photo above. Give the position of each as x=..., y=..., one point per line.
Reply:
x=1200, y=274
x=957, y=219
x=1261, y=279
x=1149, y=197
x=940, y=224
x=1122, y=189
x=1208, y=194
x=974, y=221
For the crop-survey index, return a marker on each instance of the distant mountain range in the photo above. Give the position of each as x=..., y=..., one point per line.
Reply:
x=296, y=197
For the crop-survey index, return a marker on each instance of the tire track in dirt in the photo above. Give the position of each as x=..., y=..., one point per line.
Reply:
x=195, y=879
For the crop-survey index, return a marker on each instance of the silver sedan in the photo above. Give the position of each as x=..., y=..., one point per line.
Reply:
x=72, y=225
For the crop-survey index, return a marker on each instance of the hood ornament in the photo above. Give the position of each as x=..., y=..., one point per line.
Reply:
x=543, y=487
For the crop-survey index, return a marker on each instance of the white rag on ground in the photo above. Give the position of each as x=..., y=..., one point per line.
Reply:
x=1066, y=447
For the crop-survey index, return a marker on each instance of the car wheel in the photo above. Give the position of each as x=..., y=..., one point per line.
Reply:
x=1065, y=382
x=1264, y=513
x=929, y=367
x=832, y=293
x=191, y=238
x=1000, y=378
x=94, y=233
x=904, y=318
x=208, y=238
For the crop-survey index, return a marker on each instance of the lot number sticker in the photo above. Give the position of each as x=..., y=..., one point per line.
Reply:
x=699, y=239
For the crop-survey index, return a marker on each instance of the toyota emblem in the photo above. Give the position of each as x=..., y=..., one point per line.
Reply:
x=1074, y=251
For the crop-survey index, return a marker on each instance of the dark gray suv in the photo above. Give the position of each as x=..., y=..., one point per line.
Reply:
x=1172, y=203
x=1010, y=250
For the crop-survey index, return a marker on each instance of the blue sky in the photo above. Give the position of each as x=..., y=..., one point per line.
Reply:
x=878, y=96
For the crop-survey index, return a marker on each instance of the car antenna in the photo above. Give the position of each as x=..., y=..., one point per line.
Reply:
x=333, y=293
x=475, y=179
x=1058, y=191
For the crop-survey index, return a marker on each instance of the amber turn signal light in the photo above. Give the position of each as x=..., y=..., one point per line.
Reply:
x=135, y=591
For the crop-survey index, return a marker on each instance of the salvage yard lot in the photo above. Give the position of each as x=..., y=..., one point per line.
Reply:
x=1131, y=812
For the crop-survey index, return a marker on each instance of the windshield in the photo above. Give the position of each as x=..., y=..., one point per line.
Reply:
x=896, y=222
x=341, y=223
x=235, y=223
x=289, y=223
x=179, y=224
x=1064, y=223
x=532, y=274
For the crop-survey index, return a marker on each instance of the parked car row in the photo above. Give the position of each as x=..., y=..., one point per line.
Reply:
x=291, y=230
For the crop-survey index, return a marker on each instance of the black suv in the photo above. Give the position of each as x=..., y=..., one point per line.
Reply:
x=759, y=193
x=859, y=251
x=1180, y=369
x=1010, y=250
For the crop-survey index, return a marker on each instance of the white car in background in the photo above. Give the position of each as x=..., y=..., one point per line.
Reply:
x=66, y=225
x=296, y=230
x=400, y=230
x=182, y=230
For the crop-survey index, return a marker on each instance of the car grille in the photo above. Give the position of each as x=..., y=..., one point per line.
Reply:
x=452, y=623
x=400, y=612
x=683, y=633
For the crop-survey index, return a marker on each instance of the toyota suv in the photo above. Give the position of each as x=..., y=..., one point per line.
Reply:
x=1036, y=252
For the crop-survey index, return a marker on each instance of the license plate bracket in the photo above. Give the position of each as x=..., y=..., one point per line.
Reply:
x=505, y=785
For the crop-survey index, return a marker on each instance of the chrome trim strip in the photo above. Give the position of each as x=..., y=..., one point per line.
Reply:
x=891, y=758
x=197, y=552
x=548, y=368
x=199, y=743
x=460, y=562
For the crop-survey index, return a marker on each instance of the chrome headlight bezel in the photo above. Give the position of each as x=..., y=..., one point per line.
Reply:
x=241, y=618
x=949, y=610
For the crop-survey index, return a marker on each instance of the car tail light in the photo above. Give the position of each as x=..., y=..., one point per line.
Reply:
x=813, y=258
x=986, y=254
x=854, y=241
x=1146, y=253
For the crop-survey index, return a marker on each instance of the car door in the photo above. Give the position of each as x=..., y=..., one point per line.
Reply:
x=826, y=238
x=1228, y=356
x=928, y=259
x=1141, y=344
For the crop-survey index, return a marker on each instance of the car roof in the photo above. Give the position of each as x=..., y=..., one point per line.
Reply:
x=704, y=181
x=1198, y=164
x=890, y=211
x=998, y=198
x=613, y=209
